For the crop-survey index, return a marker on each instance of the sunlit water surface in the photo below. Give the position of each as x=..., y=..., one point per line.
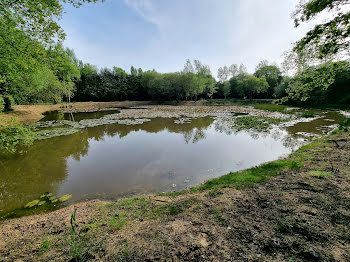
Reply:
x=158, y=156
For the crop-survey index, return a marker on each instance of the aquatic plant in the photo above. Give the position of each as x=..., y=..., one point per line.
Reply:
x=257, y=123
x=47, y=198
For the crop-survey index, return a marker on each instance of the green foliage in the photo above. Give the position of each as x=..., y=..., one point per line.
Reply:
x=313, y=79
x=271, y=73
x=345, y=125
x=116, y=84
x=32, y=59
x=327, y=39
x=79, y=245
x=15, y=135
x=47, y=198
x=2, y=104
x=8, y=102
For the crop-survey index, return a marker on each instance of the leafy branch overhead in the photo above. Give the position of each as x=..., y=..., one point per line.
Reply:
x=327, y=39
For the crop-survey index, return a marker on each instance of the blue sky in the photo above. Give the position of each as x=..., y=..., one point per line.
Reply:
x=162, y=34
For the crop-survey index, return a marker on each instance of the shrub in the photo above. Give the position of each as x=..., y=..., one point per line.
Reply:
x=2, y=104
x=8, y=102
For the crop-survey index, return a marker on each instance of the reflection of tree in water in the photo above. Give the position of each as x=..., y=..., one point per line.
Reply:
x=193, y=131
x=225, y=125
x=43, y=166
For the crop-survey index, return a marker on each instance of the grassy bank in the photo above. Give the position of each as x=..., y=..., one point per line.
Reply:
x=296, y=209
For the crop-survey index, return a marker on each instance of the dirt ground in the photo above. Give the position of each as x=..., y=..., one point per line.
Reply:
x=300, y=215
x=33, y=113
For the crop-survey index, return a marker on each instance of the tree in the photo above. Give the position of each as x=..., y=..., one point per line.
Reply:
x=225, y=72
x=327, y=39
x=27, y=30
x=271, y=73
x=188, y=68
x=323, y=43
x=242, y=69
x=320, y=77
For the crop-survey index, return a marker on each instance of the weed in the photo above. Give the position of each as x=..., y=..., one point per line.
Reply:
x=79, y=243
x=213, y=193
x=45, y=245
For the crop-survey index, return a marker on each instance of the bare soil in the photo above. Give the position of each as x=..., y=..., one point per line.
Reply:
x=297, y=216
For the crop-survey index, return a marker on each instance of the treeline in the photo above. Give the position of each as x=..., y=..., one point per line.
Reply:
x=195, y=82
x=116, y=84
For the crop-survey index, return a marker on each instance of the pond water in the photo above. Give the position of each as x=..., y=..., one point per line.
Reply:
x=116, y=160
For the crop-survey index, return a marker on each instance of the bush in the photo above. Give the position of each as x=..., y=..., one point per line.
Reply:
x=8, y=102
x=345, y=125
x=2, y=104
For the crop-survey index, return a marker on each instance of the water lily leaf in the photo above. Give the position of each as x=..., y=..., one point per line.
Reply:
x=52, y=198
x=54, y=201
x=42, y=196
x=64, y=198
x=41, y=203
x=32, y=203
x=49, y=195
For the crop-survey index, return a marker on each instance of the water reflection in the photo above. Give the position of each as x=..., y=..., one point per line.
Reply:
x=155, y=156
x=60, y=115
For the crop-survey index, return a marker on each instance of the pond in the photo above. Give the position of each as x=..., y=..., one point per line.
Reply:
x=160, y=155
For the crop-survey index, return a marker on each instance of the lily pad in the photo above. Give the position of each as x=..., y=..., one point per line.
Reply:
x=41, y=203
x=52, y=198
x=64, y=198
x=54, y=201
x=32, y=203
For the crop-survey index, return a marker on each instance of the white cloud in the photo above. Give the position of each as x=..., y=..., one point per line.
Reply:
x=217, y=32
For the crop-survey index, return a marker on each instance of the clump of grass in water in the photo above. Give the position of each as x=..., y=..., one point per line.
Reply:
x=258, y=123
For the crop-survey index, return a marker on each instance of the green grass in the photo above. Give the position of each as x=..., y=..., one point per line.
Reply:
x=118, y=221
x=248, y=178
x=321, y=174
x=45, y=245
x=271, y=107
